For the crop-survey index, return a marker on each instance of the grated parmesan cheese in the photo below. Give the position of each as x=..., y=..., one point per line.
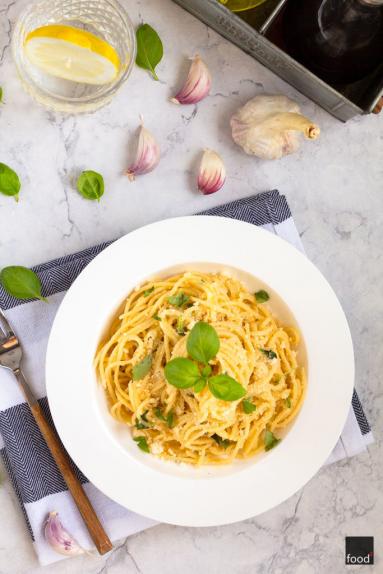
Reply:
x=156, y=448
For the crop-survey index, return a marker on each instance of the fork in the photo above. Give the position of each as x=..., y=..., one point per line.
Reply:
x=10, y=358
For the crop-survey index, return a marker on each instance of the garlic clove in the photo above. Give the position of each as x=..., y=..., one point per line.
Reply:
x=59, y=539
x=269, y=127
x=212, y=173
x=147, y=154
x=197, y=85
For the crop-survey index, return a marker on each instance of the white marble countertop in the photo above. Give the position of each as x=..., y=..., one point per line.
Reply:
x=334, y=187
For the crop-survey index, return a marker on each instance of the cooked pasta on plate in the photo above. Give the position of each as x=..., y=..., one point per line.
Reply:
x=201, y=369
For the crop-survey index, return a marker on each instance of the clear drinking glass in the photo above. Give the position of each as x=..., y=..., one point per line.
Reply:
x=106, y=19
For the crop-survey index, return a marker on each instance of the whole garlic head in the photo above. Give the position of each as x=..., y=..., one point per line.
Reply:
x=268, y=126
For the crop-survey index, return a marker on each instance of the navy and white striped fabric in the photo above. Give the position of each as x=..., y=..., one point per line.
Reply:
x=37, y=482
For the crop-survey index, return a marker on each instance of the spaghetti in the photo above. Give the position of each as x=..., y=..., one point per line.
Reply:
x=255, y=350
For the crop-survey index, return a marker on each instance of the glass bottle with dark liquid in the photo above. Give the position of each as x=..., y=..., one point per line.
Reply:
x=341, y=41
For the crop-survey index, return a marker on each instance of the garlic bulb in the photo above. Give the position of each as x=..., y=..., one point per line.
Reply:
x=269, y=126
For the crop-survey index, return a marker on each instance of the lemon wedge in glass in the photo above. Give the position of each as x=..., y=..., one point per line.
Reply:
x=73, y=54
x=240, y=5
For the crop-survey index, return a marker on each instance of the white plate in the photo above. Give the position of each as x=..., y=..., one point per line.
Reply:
x=103, y=449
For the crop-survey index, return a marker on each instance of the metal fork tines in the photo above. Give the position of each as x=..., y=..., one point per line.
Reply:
x=5, y=326
x=9, y=344
x=11, y=355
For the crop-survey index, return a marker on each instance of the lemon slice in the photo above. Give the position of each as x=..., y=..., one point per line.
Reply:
x=72, y=54
x=241, y=5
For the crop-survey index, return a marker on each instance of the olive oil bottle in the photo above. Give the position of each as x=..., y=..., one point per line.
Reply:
x=341, y=41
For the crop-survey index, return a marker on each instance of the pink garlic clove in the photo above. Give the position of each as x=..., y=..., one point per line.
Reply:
x=197, y=85
x=59, y=539
x=147, y=155
x=212, y=173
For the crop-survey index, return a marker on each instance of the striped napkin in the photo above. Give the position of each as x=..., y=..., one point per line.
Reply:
x=37, y=482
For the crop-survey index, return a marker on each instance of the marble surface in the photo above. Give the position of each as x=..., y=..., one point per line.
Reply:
x=334, y=187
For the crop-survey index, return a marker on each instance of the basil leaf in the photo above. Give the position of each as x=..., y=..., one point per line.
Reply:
x=157, y=317
x=147, y=292
x=223, y=442
x=200, y=385
x=248, y=406
x=142, y=369
x=90, y=185
x=180, y=328
x=9, y=181
x=159, y=414
x=181, y=373
x=21, y=283
x=226, y=388
x=203, y=342
x=269, y=353
x=261, y=296
x=149, y=49
x=270, y=440
x=143, y=422
x=179, y=299
x=141, y=443
x=170, y=420
x=288, y=403
x=1, y=96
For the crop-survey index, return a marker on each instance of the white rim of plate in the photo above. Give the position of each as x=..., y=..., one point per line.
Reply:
x=128, y=476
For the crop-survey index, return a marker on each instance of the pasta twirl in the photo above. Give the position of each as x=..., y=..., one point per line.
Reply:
x=255, y=350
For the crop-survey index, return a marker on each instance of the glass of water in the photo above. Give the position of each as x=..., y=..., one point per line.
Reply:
x=105, y=19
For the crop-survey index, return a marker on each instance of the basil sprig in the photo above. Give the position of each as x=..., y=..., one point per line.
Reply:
x=178, y=300
x=142, y=422
x=276, y=379
x=180, y=327
x=261, y=296
x=90, y=185
x=142, y=443
x=269, y=353
x=222, y=442
x=149, y=49
x=248, y=406
x=169, y=419
x=202, y=345
x=270, y=440
x=21, y=282
x=142, y=369
x=9, y=181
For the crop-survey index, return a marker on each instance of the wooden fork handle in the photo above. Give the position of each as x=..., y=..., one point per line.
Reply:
x=94, y=526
